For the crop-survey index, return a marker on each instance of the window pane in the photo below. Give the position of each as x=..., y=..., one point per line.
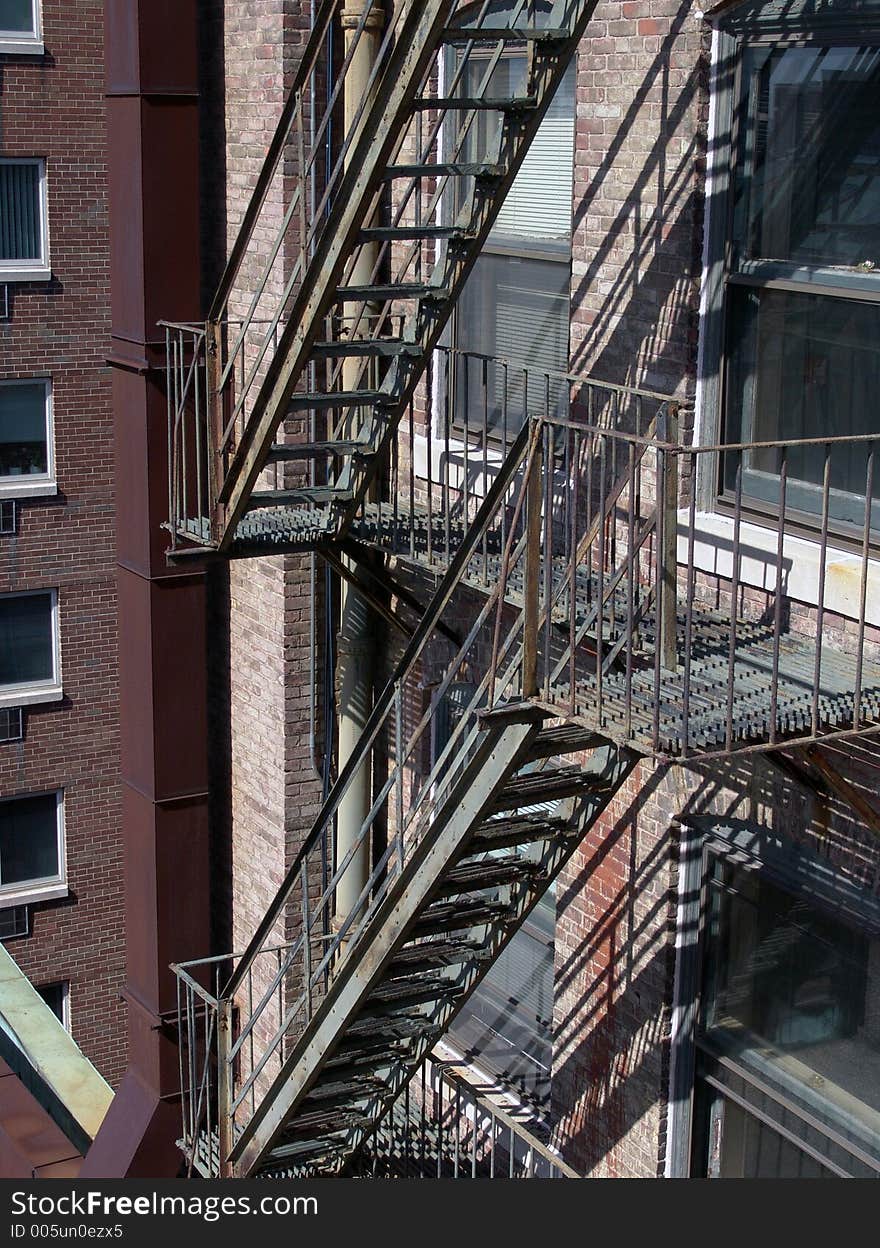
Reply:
x=507, y=1024
x=26, y=649
x=29, y=840
x=516, y=310
x=794, y=995
x=53, y=995
x=808, y=186
x=17, y=16
x=23, y=450
x=803, y=366
x=20, y=212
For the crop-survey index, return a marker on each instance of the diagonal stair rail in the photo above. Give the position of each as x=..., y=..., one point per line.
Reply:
x=309, y=342
x=269, y=993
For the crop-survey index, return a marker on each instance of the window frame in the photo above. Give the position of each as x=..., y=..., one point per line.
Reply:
x=25, y=43
x=38, y=691
x=47, y=888
x=37, y=269
x=42, y=483
x=790, y=866
x=732, y=34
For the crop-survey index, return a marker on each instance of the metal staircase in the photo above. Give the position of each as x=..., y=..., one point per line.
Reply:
x=294, y=1053
x=330, y=343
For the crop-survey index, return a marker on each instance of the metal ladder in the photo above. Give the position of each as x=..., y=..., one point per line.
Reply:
x=311, y=378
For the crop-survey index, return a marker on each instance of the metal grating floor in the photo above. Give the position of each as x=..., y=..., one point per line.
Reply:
x=723, y=713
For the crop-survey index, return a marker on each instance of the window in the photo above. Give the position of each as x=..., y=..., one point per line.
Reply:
x=799, y=301
x=788, y=1040
x=506, y=1025
x=516, y=304
x=32, y=862
x=26, y=452
x=20, y=29
x=29, y=648
x=57, y=997
x=24, y=228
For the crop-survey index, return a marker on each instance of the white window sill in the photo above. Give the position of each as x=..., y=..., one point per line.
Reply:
x=713, y=552
x=24, y=46
x=30, y=695
x=33, y=273
x=26, y=487
x=25, y=896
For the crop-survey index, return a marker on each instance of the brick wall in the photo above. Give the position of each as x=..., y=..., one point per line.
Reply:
x=53, y=106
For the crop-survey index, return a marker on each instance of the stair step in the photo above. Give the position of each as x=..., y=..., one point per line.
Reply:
x=315, y=495
x=447, y=169
x=470, y=877
x=390, y=1026
x=413, y=959
x=543, y=786
x=339, y=398
x=478, y=103
x=321, y=1148
x=510, y=833
x=383, y=347
x=562, y=739
x=354, y=1062
x=505, y=34
x=341, y=1092
x=413, y=233
x=457, y=916
x=387, y=293
x=284, y=452
x=317, y=1123
x=402, y=993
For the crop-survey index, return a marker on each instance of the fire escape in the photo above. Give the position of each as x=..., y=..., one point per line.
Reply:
x=315, y=413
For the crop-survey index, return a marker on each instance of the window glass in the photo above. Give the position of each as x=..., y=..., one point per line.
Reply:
x=29, y=840
x=17, y=16
x=23, y=439
x=808, y=173
x=27, y=653
x=793, y=995
x=20, y=211
x=804, y=366
x=55, y=996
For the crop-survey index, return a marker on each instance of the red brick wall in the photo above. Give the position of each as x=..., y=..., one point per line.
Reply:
x=53, y=106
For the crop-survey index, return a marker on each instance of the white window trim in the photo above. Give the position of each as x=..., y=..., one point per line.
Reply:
x=41, y=691
x=41, y=484
x=37, y=269
x=51, y=887
x=28, y=42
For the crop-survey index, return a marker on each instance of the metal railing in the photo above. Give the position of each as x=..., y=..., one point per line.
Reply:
x=445, y=1126
x=316, y=185
x=239, y=1015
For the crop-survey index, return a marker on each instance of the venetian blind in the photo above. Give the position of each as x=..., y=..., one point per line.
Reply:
x=20, y=211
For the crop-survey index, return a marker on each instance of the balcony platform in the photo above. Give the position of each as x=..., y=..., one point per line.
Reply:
x=730, y=699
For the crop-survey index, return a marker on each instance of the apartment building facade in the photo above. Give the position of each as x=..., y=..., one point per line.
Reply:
x=697, y=993
x=61, y=867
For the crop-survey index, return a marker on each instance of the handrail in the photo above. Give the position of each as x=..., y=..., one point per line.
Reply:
x=385, y=700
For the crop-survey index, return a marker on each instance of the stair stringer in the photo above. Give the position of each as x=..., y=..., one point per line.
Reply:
x=611, y=767
x=467, y=801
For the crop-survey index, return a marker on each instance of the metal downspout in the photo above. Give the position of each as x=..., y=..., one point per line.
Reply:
x=355, y=651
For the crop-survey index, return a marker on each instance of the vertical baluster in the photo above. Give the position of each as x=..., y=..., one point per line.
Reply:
x=863, y=585
x=734, y=596
x=572, y=573
x=306, y=939
x=549, y=473
x=398, y=716
x=689, y=609
x=820, y=612
x=600, y=601
x=412, y=474
x=451, y=381
x=250, y=986
x=485, y=481
x=631, y=569
x=180, y=1062
x=777, y=606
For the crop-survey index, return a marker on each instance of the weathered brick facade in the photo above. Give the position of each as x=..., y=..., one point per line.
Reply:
x=53, y=107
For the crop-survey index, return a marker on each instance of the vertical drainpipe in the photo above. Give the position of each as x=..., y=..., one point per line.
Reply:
x=153, y=158
x=355, y=647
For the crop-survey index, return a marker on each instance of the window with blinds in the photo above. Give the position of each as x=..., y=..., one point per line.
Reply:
x=516, y=305
x=22, y=219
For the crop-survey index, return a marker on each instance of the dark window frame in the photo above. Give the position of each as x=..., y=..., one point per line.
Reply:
x=745, y=27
